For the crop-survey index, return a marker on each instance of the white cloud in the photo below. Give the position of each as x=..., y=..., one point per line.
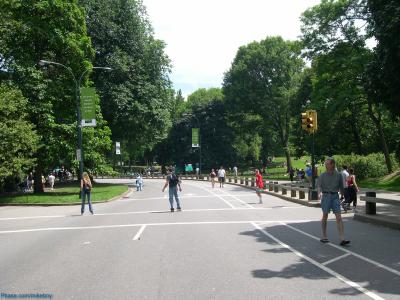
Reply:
x=202, y=37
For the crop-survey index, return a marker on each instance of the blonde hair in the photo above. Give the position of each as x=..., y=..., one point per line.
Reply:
x=85, y=175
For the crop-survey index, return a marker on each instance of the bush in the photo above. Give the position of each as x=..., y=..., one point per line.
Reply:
x=370, y=166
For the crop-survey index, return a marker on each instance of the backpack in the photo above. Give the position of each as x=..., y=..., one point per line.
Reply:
x=173, y=180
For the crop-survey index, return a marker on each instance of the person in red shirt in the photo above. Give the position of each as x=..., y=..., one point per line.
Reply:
x=259, y=185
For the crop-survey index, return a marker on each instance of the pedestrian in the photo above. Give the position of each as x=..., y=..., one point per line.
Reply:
x=29, y=181
x=86, y=191
x=173, y=183
x=352, y=189
x=43, y=181
x=212, y=177
x=291, y=174
x=259, y=185
x=197, y=171
x=329, y=184
x=51, y=180
x=235, y=171
x=139, y=183
x=221, y=176
x=345, y=199
x=308, y=174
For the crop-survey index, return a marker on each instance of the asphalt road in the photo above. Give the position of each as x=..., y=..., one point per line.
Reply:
x=223, y=245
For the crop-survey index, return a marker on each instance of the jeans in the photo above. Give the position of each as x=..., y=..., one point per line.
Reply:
x=138, y=187
x=173, y=191
x=88, y=195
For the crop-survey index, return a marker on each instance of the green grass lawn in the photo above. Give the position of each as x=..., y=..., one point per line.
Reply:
x=392, y=184
x=66, y=193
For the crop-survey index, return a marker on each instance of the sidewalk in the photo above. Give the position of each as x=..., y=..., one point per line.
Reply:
x=386, y=215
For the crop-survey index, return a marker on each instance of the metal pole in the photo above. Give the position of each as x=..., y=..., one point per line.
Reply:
x=313, y=161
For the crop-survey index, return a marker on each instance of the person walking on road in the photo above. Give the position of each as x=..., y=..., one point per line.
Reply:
x=235, y=171
x=352, y=189
x=221, y=176
x=212, y=177
x=173, y=183
x=51, y=180
x=345, y=175
x=139, y=183
x=259, y=185
x=329, y=184
x=291, y=174
x=86, y=191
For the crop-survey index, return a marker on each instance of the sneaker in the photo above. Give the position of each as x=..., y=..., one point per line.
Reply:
x=172, y=209
x=344, y=243
x=179, y=209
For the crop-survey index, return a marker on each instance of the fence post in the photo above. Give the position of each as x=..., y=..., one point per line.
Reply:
x=284, y=190
x=270, y=186
x=370, y=207
x=276, y=187
x=293, y=193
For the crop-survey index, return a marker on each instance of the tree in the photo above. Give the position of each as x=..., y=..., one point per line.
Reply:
x=264, y=76
x=53, y=30
x=203, y=96
x=136, y=98
x=339, y=27
x=216, y=138
x=385, y=27
x=18, y=138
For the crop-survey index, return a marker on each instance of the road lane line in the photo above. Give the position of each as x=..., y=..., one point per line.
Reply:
x=214, y=194
x=147, y=224
x=237, y=199
x=139, y=233
x=321, y=266
x=347, y=251
x=182, y=196
x=336, y=259
x=152, y=212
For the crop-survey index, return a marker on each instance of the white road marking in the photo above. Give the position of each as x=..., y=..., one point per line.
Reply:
x=237, y=199
x=321, y=266
x=153, y=211
x=147, y=224
x=181, y=196
x=336, y=259
x=214, y=194
x=33, y=217
x=86, y=243
x=139, y=233
x=347, y=251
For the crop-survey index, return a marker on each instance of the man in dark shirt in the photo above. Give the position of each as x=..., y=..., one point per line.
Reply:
x=173, y=183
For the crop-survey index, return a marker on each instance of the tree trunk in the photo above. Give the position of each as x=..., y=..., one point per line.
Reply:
x=288, y=159
x=382, y=138
x=38, y=185
x=356, y=134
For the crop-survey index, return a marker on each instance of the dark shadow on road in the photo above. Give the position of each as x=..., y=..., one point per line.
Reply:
x=367, y=275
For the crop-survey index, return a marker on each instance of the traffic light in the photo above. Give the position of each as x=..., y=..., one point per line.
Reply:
x=304, y=117
x=309, y=121
x=314, y=120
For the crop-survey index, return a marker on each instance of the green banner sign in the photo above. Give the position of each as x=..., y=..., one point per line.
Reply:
x=88, y=106
x=195, y=137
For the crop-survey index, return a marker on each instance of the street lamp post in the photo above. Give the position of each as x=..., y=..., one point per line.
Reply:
x=198, y=124
x=77, y=98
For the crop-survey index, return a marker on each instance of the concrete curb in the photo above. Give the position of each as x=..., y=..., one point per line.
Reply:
x=377, y=220
x=68, y=204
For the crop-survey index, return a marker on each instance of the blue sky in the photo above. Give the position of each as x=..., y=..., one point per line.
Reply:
x=203, y=36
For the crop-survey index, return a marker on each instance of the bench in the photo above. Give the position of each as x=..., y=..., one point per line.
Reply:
x=371, y=201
